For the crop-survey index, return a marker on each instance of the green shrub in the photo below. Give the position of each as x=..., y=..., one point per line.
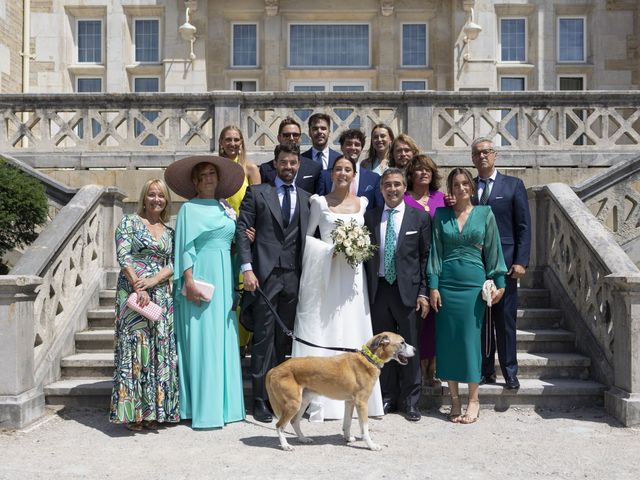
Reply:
x=23, y=207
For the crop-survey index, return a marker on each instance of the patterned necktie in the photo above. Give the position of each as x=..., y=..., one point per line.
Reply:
x=390, y=249
x=286, y=205
x=485, y=192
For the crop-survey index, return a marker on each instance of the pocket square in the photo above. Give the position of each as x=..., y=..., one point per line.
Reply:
x=412, y=232
x=499, y=198
x=369, y=188
x=307, y=176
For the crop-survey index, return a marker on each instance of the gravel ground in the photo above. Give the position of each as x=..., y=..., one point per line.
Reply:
x=518, y=443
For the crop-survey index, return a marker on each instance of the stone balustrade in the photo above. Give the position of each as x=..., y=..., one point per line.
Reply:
x=534, y=129
x=61, y=274
x=597, y=286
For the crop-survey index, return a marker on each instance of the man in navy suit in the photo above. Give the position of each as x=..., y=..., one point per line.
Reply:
x=319, y=132
x=366, y=183
x=308, y=176
x=507, y=197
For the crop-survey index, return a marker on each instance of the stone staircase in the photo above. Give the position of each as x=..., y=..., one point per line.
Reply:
x=552, y=374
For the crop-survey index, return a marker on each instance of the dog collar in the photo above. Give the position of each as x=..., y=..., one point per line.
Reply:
x=372, y=357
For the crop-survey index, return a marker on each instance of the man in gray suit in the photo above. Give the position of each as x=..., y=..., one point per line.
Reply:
x=279, y=212
x=397, y=281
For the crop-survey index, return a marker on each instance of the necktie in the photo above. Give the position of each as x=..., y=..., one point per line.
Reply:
x=319, y=158
x=390, y=249
x=286, y=205
x=485, y=192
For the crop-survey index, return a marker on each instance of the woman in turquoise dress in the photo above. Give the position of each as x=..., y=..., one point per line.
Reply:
x=145, y=381
x=465, y=252
x=211, y=392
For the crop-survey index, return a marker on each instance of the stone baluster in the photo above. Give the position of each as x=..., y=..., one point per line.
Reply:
x=21, y=400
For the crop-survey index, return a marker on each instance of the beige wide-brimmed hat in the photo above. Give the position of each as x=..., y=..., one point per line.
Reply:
x=230, y=175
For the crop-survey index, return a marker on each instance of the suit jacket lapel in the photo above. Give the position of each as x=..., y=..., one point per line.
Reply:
x=497, y=184
x=404, y=226
x=271, y=197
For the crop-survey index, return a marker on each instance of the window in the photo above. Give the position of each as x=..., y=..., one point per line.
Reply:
x=328, y=86
x=571, y=39
x=142, y=85
x=575, y=82
x=319, y=45
x=414, y=45
x=407, y=85
x=147, y=40
x=245, y=45
x=511, y=84
x=245, y=85
x=89, y=41
x=513, y=40
x=89, y=85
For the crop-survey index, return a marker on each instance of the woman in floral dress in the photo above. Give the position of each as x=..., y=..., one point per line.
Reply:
x=145, y=381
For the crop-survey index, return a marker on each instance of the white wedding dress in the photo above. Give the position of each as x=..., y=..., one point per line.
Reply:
x=333, y=303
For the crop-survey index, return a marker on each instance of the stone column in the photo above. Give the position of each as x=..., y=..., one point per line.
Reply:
x=112, y=206
x=21, y=401
x=622, y=400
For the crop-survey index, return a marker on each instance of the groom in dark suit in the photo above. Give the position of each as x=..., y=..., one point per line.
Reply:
x=279, y=213
x=396, y=277
x=507, y=197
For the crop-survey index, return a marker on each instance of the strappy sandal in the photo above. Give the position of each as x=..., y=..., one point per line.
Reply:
x=467, y=419
x=150, y=424
x=134, y=427
x=455, y=414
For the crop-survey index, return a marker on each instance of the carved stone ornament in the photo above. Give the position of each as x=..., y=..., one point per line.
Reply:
x=386, y=8
x=271, y=7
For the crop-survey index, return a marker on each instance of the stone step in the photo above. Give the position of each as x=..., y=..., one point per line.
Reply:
x=100, y=340
x=80, y=392
x=537, y=393
x=533, y=297
x=87, y=365
x=546, y=318
x=529, y=340
x=548, y=393
x=551, y=365
x=545, y=340
x=107, y=297
x=101, y=318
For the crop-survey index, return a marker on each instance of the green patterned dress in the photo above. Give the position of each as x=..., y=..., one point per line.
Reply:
x=145, y=381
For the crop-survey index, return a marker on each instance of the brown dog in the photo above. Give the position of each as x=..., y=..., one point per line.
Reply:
x=350, y=377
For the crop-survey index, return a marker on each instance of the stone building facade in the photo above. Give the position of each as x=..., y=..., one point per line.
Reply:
x=336, y=45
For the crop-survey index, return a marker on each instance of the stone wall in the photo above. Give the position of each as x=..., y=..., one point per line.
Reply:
x=10, y=46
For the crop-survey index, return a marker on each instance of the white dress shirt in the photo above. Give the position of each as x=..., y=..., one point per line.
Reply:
x=397, y=223
x=325, y=156
x=486, y=181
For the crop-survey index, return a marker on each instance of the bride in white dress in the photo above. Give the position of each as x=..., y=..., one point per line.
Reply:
x=333, y=304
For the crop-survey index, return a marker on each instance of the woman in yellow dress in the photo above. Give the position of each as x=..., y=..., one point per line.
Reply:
x=231, y=146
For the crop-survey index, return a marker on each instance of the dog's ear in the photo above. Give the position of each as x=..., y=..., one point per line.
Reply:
x=380, y=340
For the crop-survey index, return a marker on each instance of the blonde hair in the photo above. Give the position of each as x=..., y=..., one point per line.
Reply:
x=164, y=215
x=241, y=158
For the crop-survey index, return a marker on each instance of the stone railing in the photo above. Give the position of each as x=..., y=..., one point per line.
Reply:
x=613, y=197
x=60, y=276
x=549, y=129
x=598, y=287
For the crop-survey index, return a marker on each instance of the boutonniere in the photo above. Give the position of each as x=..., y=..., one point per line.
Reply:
x=228, y=210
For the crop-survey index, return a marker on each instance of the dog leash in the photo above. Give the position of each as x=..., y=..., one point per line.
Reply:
x=289, y=333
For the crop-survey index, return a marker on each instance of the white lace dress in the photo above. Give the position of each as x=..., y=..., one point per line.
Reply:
x=333, y=303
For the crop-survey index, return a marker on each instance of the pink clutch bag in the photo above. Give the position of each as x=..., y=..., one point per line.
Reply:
x=205, y=289
x=152, y=311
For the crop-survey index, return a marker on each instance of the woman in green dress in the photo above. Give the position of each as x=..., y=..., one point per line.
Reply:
x=145, y=381
x=465, y=252
x=211, y=393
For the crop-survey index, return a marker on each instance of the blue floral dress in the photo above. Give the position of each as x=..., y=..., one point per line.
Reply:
x=145, y=381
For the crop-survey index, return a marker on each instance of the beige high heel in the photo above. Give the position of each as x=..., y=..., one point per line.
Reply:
x=467, y=419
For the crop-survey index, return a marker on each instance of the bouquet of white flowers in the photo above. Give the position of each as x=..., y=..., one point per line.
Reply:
x=352, y=240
